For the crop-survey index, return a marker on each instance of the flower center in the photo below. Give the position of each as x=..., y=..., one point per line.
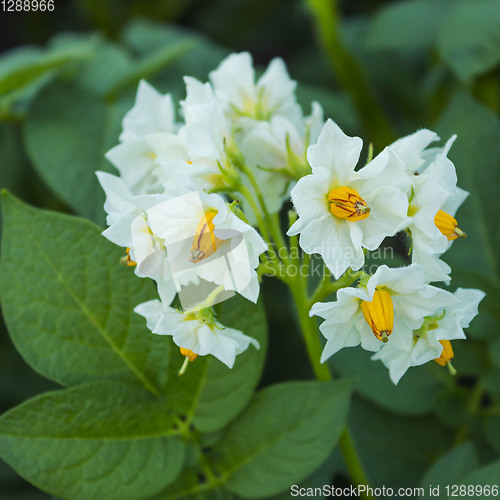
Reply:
x=430, y=323
x=448, y=226
x=346, y=203
x=379, y=314
x=205, y=243
x=446, y=356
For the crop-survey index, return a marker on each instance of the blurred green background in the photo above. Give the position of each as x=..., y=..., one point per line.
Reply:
x=381, y=70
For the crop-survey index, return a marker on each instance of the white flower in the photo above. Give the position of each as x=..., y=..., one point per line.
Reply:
x=240, y=95
x=202, y=239
x=153, y=114
x=128, y=228
x=432, y=338
x=269, y=148
x=278, y=145
x=199, y=150
x=123, y=208
x=434, y=200
x=385, y=311
x=341, y=211
x=412, y=150
x=183, y=236
x=191, y=334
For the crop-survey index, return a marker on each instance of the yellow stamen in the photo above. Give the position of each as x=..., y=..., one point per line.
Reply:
x=127, y=260
x=448, y=226
x=188, y=353
x=189, y=356
x=205, y=243
x=346, y=203
x=379, y=314
x=446, y=356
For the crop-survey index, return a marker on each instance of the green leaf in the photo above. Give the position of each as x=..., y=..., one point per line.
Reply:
x=68, y=301
x=98, y=440
x=451, y=468
x=476, y=154
x=333, y=103
x=192, y=485
x=210, y=394
x=11, y=176
x=286, y=433
x=19, y=57
x=415, y=394
x=471, y=358
x=322, y=476
x=406, y=25
x=453, y=407
x=109, y=66
x=485, y=476
x=394, y=449
x=24, y=66
x=469, y=41
x=113, y=69
x=491, y=427
x=67, y=132
x=157, y=62
x=203, y=56
x=494, y=352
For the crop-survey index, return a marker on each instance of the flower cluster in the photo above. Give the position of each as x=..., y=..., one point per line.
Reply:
x=172, y=205
x=344, y=212
x=191, y=193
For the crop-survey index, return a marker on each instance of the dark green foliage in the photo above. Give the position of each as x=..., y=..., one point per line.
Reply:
x=124, y=425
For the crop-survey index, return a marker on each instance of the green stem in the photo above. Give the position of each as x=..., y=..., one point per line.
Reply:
x=472, y=409
x=326, y=287
x=350, y=72
x=272, y=219
x=309, y=331
x=277, y=270
x=354, y=465
x=277, y=236
x=159, y=61
x=322, y=372
x=298, y=287
x=245, y=192
x=306, y=261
